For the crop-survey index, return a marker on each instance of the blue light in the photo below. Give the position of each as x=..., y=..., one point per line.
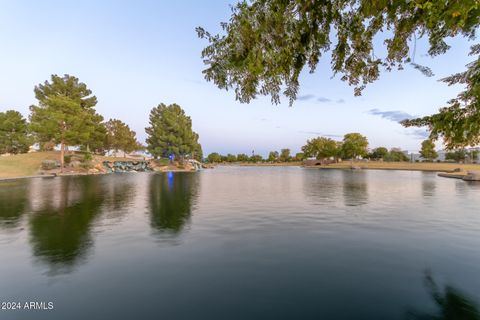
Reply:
x=170, y=180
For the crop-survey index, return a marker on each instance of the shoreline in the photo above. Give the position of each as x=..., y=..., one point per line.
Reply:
x=25, y=169
x=382, y=169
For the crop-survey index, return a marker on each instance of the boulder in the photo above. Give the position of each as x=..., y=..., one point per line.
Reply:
x=472, y=176
x=75, y=164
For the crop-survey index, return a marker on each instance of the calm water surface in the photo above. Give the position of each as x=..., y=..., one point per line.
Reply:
x=238, y=243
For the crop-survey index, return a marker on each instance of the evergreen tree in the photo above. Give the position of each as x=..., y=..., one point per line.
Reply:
x=120, y=137
x=95, y=140
x=65, y=113
x=170, y=133
x=14, y=135
x=197, y=153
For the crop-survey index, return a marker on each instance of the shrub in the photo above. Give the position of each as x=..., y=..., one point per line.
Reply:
x=49, y=164
x=87, y=157
x=67, y=159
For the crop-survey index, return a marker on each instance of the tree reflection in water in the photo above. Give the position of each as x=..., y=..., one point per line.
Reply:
x=60, y=227
x=428, y=184
x=64, y=211
x=452, y=303
x=171, y=198
x=355, y=188
x=13, y=202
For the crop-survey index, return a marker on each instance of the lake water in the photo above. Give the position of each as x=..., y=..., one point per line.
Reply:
x=238, y=243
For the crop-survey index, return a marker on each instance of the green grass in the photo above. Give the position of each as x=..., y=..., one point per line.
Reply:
x=162, y=162
x=26, y=164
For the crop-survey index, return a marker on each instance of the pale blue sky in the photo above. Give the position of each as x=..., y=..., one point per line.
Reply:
x=137, y=54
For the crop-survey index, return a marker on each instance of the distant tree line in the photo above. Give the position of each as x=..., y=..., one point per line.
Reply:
x=353, y=146
x=273, y=157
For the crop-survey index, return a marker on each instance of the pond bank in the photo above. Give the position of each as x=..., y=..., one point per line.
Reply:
x=29, y=165
x=408, y=166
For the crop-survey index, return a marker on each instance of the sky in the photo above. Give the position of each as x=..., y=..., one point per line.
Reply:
x=135, y=55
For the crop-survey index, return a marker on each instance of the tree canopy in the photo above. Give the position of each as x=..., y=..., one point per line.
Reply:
x=354, y=145
x=284, y=155
x=428, y=150
x=65, y=113
x=267, y=43
x=321, y=148
x=242, y=157
x=120, y=137
x=170, y=133
x=458, y=155
x=395, y=154
x=273, y=156
x=214, y=157
x=14, y=133
x=378, y=153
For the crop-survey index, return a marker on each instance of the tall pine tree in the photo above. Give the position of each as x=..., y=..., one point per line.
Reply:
x=170, y=133
x=65, y=114
x=14, y=135
x=120, y=137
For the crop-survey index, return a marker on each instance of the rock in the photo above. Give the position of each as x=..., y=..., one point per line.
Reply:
x=99, y=167
x=472, y=176
x=75, y=164
x=127, y=166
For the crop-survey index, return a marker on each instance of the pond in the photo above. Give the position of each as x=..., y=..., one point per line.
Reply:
x=239, y=243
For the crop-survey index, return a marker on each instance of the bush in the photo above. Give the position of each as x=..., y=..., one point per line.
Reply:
x=87, y=157
x=49, y=164
x=67, y=159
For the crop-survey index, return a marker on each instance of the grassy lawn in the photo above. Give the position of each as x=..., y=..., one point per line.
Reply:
x=26, y=164
x=423, y=166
